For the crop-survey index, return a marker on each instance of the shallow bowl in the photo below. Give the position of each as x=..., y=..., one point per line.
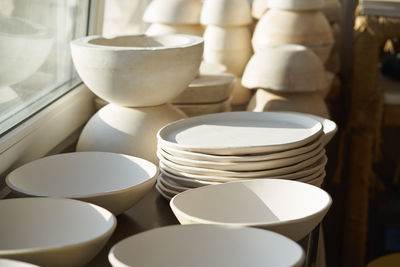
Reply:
x=179, y=246
x=53, y=231
x=138, y=70
x=173, y=11
x=113, y=181
x=287, y=207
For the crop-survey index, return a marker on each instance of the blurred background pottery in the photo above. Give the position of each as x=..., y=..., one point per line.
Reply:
x=160, y=29
x=173, y=11
x=226, y=13
x=296, y=4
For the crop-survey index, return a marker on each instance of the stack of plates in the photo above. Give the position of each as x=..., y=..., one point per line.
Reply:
x=235, y=146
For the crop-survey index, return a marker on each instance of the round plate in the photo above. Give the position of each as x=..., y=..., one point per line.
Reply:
x=239, y=166
x=238, y=133
x=169, y=184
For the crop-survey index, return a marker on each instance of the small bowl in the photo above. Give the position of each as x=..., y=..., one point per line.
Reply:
x=206, y=245
x=290, y=208
x=312, y=103
x=234, y=60
x=160, y=29
x=227, y=38
x=173, y=12
x=25, y=46
x=296, y=4
x=288, y=68
x=53, y=231
x=113, y=181
x=138, y=70
x=126, y=130
x=308, y=28
x=226, y=13
x=259, y=8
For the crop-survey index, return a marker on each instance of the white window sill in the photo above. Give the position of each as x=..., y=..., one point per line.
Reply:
x=40, y=134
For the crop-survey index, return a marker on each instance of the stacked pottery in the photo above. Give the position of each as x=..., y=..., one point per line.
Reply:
x=236, y=146
x=227, y=40
x=139, y=75
x=174, y=16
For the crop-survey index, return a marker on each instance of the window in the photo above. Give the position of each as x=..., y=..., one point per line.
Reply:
x=35, y=65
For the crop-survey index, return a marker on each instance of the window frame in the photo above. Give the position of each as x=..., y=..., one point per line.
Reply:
x=56, y=123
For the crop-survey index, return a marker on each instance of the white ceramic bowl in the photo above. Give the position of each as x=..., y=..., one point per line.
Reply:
x=296, y=4
x=173, y=11
x=130, y=131
x=308, y=28
x=137, y=70
x=234, y=60
x=14, y=263
x=289, y=68
x=310, y=102
x=113, y=181
x=53, y=231
x=24, y=46
x=227, y=38
x=206, y=245
x=160, y=29
x=259, y=8
x=226, y=12
x=287, y=207
x=207, y=68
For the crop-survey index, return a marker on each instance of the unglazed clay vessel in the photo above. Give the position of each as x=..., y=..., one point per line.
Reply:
x=234, y=60
x=308, y=28
x=130, y=131
x=53, y=231
x=24, y=46
x=112, y=181
x=207, y=68
x=192, y=110
x=173, y=11
x=160, y=29
x=330, y=76
x=289, y=68
x=240, y=95
x=227, y=38
x=207, y=89
x=226, y=12
x=290, y=208
x=333, y=10
x=312, y=103
x=137, y=70
x=258, y=8
x=296, y=4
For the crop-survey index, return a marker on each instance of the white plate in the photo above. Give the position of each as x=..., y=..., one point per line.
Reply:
x=317, y=181
x=287, y=207
x=162, y=193
x=200, y=180
x=170, y=184
x=244, y=158
x=244, y=174
x=239, y=166
x=114, y=181
x=236, y=133
x=166, y=190
x=206, y=245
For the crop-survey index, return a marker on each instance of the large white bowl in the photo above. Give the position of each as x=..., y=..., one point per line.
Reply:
x=160, y=29
x=138, y=70
x=173, y=11
x=24, y=46
x=226, y=12
x=289, y=68
x=113, y=181
x=53, y=231
x=130, y=131
x=308, y=28
x=287, y=207
x=206, y=245
x=14, y=263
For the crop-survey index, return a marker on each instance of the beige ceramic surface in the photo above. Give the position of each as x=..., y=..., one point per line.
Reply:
x=312, y=103
x=226, y=12
x=113, y=181
x=207, y=68
x=258, y=8
x=239, y=166
x=137, y=70
x=330, y=76
x=170, y=184
x=238, y=133
x=183, y=169
x=25, y=46
x=286, y=68
x=159, y=29
x=207, y=89
x=234, y=60
x=332, y=9
x=290, y=208
x=308, y=28
x=164, y=194
x=195, y=180
x=333, y=63
x=53, y=231
x=192, y=110
x=240, y=95
x=227, y=38
x=206, y=245
x=173, y=11
x=296, y=4
x=14, y=263
x=130, y=131
x=243, y=158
